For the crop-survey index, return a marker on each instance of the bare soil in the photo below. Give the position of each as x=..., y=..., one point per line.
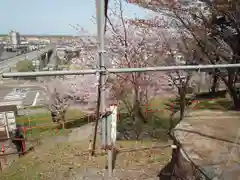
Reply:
x=67, y=157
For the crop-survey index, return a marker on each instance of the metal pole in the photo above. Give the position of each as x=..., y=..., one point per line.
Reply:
x=99, y=79
x=121, y=70
x=100, y=5
x=7, y=125
x=103, y=103
x=200, y=83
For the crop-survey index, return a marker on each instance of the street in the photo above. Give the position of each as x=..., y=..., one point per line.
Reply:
x=8, y=63
x=26, y=94
x=6, y=55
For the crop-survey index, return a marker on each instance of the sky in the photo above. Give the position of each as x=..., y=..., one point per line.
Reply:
x=54, y=16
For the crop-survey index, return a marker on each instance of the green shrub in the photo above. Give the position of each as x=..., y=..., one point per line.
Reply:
x=25, y=66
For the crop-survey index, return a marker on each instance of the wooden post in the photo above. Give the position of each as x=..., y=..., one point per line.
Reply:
x=4, y=157
x=23, y=146
x=25, y=131
x=90, y=149
x=0, y=165
x=29, y=120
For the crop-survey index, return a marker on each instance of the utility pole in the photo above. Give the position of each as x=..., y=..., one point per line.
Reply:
x=100, y=13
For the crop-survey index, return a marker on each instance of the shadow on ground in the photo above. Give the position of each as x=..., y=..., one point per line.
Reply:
x=166, y=172
x=79, y=122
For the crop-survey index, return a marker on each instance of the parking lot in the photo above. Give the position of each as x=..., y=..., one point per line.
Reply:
x=22, y=95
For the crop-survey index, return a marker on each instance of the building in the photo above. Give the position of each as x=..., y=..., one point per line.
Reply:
x=1, y=49
x=14, y=38
x=8, y=112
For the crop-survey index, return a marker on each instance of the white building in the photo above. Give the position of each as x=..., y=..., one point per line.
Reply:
x=14, y=38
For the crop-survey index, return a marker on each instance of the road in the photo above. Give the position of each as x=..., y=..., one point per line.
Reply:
x=6, y=64
x=7, y=55
x=26, y=97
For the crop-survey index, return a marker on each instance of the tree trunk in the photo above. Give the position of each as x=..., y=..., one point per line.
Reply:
x=175, y=152
x=182, y=103
x=214, y=83
x=235, y=96
x=236, y=102
x=62, y=119
x=54, y=116
x=137, y=109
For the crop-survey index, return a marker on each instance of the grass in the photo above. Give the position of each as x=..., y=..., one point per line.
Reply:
x=64, y=160
x=42, y=125
x=37, y=107
x=160, y=112
x=158, y=118
x=158, y=106
x=215, y=104
x=63, y=66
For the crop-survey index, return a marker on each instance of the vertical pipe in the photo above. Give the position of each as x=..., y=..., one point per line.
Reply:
x=45, y=61
x=109, y=126
x=200, y=82
x=103, y=102
x=100, y=5
x=110, y=146
x=6, y=124
x=101, y=77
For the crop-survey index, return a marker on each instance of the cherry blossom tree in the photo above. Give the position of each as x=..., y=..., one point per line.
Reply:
x=176, y=51
x=70, y=90
x=129, y=46
x=134, y=44
x=88, y=51
x=213, y=28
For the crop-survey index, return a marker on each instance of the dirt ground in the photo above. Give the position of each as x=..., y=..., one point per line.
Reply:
x=66, y=157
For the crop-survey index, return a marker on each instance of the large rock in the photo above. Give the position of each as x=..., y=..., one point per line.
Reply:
x=210, y=145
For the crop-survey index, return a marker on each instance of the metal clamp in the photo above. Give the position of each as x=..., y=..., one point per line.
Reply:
x=102, y=51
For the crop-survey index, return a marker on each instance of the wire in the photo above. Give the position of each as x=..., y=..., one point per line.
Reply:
x=97, y=112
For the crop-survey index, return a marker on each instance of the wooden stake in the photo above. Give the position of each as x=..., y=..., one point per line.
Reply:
x=4, y=157
x=90, y=149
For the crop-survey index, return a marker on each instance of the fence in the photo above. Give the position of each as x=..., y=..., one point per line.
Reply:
x=102, y=71
x=27, y=128
x=4, y=155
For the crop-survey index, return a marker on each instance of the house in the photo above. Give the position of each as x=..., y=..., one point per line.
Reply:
x=11, y=114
